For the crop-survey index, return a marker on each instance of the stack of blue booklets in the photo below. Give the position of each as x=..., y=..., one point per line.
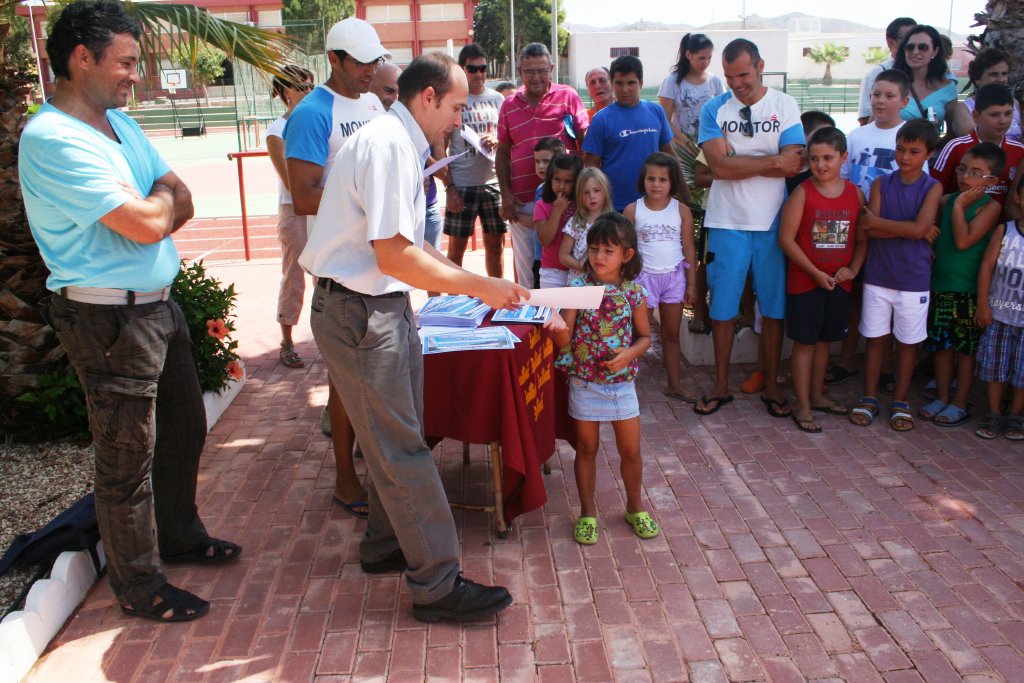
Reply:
x=453, y=311
x=535, y=315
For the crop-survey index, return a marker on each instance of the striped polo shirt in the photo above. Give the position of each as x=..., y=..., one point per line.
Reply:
x=522, y=125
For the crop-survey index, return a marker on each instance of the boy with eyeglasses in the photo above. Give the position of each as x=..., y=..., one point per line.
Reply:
x=968, y=217
x=993, y=114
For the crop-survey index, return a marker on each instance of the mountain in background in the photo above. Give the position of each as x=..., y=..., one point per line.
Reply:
x=754, y=22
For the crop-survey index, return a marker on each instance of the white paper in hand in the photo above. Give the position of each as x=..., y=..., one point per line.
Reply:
x=438, y=165
x=568, y=297
x=473, y=140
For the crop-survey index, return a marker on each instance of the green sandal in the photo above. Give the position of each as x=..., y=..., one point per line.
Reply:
x=586, y=530
x=643, y=525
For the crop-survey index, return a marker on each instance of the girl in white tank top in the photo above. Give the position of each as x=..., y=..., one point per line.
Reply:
x=664, y=228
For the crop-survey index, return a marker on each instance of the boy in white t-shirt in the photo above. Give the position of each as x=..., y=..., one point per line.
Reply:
x=872, y=147
x=872, y=153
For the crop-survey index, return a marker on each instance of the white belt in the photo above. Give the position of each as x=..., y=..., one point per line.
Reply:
x=113, y=297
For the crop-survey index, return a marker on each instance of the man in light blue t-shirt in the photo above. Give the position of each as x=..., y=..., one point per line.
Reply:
x=626, y=132
x=102, y=205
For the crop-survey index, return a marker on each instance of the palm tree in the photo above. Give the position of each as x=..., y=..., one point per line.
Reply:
x=875, y=55
x=828, y=54
x=1004, y=28
x=28, y=347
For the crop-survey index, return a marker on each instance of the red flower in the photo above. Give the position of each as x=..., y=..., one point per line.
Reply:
x=217, y=328
x=236, y=370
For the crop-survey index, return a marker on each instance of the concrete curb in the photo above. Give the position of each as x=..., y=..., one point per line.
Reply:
x=25, y=634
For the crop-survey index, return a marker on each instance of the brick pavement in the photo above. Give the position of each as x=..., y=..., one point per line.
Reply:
x=858, y=554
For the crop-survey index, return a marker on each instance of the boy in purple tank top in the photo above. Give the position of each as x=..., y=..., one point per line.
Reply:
x=899, y=223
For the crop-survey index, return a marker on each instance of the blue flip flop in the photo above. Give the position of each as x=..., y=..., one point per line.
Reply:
x=952, y=416
x=353, y=507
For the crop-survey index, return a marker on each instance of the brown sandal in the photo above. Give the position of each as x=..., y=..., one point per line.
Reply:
x=289, y=358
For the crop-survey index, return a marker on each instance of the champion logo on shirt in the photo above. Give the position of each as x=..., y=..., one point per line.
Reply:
x=774, y=118
x=639, y=131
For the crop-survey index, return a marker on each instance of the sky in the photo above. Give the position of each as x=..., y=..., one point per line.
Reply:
x=876, y=13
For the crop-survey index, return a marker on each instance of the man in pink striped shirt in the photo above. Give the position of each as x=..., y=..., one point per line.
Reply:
x=538, y=109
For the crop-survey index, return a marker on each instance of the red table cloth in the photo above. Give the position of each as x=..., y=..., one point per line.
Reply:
x=506, y=396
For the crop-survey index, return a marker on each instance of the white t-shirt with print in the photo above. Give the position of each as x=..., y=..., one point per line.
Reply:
x=752, y=203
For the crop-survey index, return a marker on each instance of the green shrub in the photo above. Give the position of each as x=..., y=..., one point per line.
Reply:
x=208, y=306
x=56, y=405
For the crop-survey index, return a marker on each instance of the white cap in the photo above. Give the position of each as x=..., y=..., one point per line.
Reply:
x=357, y=38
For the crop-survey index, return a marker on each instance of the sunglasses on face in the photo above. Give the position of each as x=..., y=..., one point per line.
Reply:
x=476, y=69
x=920, y=47
x=362, y=65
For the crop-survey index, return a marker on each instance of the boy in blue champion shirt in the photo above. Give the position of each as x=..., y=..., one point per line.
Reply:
x=623, y=134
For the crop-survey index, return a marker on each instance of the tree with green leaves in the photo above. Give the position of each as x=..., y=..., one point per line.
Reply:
x=204, y=65
x=309, y=20
x=828, y=54
x=492, y=32
x=875, y=55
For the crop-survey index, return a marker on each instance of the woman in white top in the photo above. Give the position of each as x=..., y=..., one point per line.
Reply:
x=682, y=95
x=991, y=65
x=291, y=230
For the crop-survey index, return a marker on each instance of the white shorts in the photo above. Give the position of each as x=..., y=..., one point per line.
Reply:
x=553, y=277
x=885, y=310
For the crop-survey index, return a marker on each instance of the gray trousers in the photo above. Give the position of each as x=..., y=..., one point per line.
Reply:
x=147, y=417
x=373, y=355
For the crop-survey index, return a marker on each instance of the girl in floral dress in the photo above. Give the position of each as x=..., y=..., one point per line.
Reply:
x=606, y=346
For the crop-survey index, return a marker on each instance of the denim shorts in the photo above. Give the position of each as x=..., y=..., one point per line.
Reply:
x=597, y=402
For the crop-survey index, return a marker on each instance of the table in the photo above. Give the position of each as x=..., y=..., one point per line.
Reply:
x=505, y=397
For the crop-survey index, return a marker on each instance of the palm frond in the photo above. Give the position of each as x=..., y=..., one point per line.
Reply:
x=188, y=25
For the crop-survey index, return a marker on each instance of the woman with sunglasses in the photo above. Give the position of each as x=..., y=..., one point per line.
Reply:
x=291, y=230
x=991, y=65
x=932, y=88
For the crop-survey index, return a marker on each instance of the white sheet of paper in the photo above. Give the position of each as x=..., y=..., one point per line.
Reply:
x=473, y=140
x=438, y=165
x=568, y=297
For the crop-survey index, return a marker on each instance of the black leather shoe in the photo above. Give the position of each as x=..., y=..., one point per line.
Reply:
x=395, y=562
x=467, y=601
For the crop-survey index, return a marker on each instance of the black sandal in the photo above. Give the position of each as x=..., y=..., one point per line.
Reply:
x=182, y=605
x=223, y=551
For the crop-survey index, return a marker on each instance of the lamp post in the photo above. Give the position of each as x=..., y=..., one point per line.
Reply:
x=35, y=45
x=554, y=38
x=512, y=43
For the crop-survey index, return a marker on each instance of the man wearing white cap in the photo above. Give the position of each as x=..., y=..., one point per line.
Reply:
x=316, y=130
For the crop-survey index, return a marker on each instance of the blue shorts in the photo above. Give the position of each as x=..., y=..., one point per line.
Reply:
x=597, y=402
x=731, y=254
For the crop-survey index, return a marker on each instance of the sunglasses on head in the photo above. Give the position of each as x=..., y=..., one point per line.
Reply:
x=920, y=47
x=476, y=69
